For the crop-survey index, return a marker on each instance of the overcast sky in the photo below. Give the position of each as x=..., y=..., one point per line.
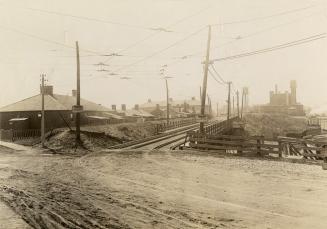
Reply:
x=38, y=36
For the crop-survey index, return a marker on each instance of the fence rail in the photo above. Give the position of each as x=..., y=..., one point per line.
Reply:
x=305, y=148
x=161, y=127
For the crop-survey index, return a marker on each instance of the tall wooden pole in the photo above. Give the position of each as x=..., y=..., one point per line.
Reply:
x=217, y=110
x=78, y=97
x=200, y=93
x=167, y=93
x=238, y=104
x=228, y=101
x=204, y=85
x=233, y=110
x=42, y=114
x=242, y=103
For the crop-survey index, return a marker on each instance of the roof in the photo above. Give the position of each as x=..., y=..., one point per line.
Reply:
x=114, y=116
x=98, y=117
x=17, y=119
x=191, y=102
x=52, y=103
x=138, y=113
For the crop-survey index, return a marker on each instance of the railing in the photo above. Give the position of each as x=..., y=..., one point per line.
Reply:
x=24, y=134
x=283, y=146
x=233, y=144
x=161, y=127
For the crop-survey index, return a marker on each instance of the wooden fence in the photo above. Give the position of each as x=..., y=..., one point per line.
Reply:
x=284, y=146
x=161, y=127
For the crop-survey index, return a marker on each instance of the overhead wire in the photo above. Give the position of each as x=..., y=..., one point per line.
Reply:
x=161, y=50
x=265, y=17
x=158, y=32
x=273, y=48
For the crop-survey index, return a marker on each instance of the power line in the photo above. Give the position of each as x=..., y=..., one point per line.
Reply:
x=214, y=77
x=265, y=17
x=45, y=39
x=221, y=78
x=82, y=17
x=162, y=50
x=242, y=37
x=158, y=32
x=273, y=48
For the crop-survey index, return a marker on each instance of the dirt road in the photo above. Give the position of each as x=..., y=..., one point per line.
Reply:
x=133, y=189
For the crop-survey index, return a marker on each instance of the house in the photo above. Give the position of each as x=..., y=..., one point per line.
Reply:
x=133, y=115
x=26, y=114
x=178, y=108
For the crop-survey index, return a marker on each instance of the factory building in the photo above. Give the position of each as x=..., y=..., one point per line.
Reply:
x=283, y=102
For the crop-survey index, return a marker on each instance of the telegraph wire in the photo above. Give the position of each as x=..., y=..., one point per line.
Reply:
x=220, y=77
x=158, y=32
x=265, y=17
x=161, y=50
x=81, y=17
x=273, y=48
x=214, y=77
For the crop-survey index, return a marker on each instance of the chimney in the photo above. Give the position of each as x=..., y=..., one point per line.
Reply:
x=74, y=93
x=157, y=107
x=193, y=98
x=48, y=90
x=136, y=107
x=149, y=101
x=113, y=107
x=123, y=107
x=276, y=89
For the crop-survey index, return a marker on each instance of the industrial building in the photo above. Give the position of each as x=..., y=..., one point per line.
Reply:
x=283, y=102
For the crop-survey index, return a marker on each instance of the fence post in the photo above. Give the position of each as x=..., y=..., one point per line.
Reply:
x=280, y=149
x=259, y=147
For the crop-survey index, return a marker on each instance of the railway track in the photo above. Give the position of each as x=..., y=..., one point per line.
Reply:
x=170, y=140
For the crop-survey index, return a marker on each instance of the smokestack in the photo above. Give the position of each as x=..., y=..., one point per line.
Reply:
x=276, y=89
x=113, y=107
x=293, y=92
x=123, y=107
x=136, y=107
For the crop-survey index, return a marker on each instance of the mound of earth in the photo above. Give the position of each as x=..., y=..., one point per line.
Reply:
x=125, y=131
x=271, y=125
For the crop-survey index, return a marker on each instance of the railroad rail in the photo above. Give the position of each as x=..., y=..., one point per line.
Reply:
x=174, y=138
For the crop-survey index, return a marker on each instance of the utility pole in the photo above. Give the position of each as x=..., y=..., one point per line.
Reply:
x=205, y=78
x=233, y=111
x=200, y=93
x=167, y=91
x=242, y=103
x=228, y=101
x=78, y=98
x=238, y=103
x=217, y=110
x=42, y=113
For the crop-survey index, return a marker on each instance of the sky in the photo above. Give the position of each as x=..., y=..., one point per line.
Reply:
x=38, y=36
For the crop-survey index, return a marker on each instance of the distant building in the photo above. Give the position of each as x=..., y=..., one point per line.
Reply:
x=283, y=102
x=178, y=108
x=133, y=115
x=26, y=114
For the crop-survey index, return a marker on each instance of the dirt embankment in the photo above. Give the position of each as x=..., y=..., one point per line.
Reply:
x=99, y=137
x=271, y=125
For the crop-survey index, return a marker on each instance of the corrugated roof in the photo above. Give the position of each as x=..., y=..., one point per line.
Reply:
x=138, y=113
x=52, y=103
x=191, y=102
